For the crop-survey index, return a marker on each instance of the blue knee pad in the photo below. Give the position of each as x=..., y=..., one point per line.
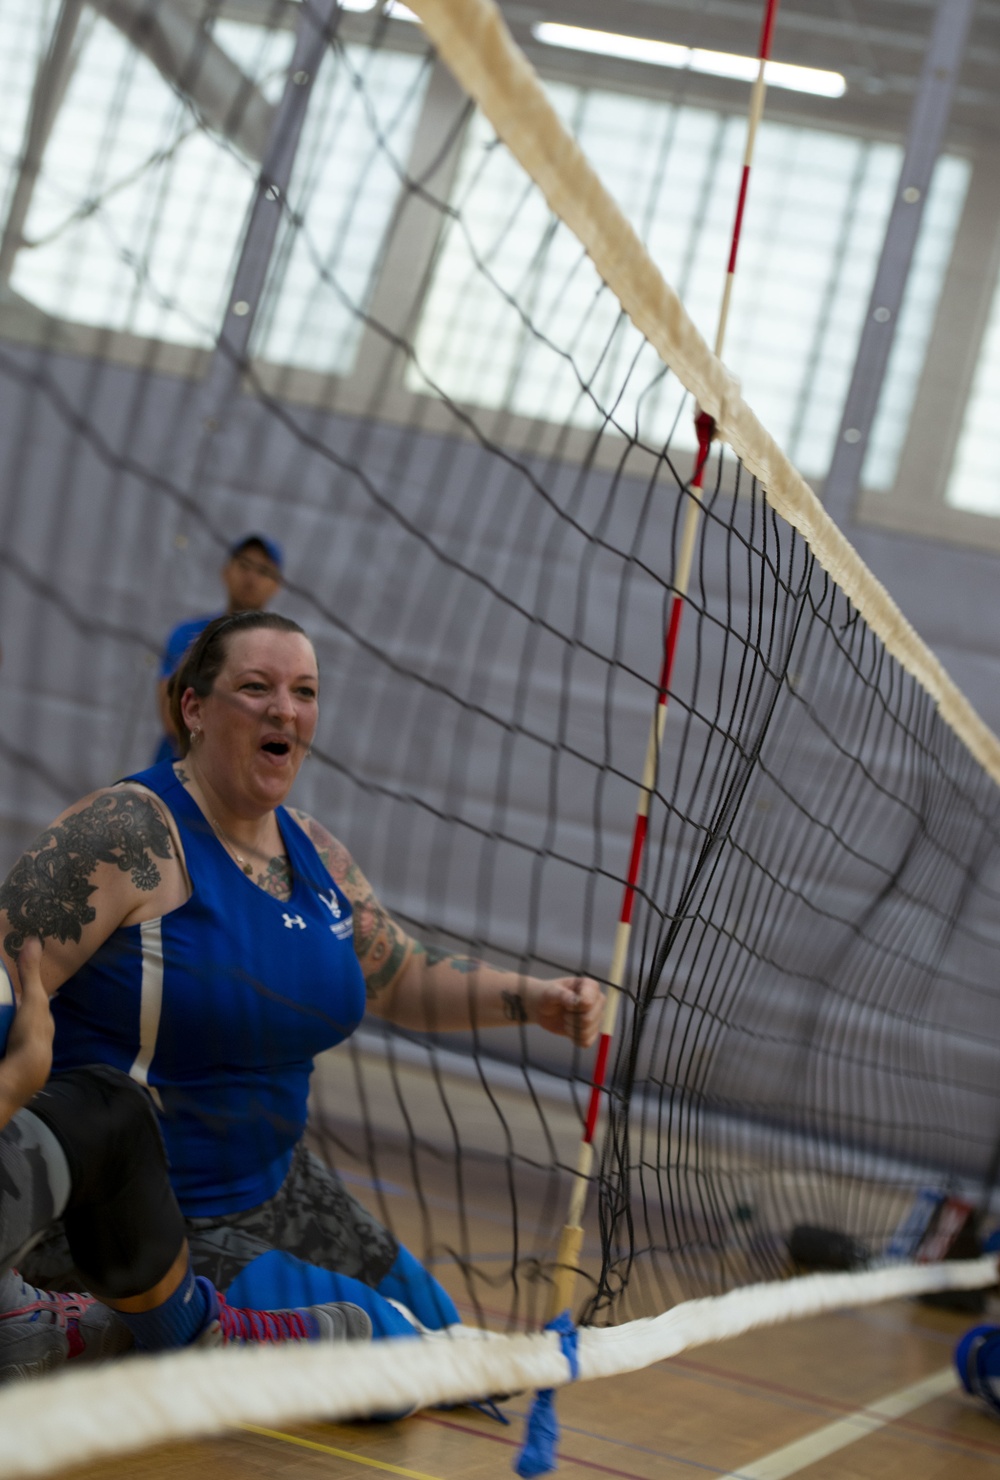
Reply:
x=279, y=1281
x=977, y=1357
x=409, y=1283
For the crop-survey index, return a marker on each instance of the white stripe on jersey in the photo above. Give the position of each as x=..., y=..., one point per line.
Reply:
x=150, y=1004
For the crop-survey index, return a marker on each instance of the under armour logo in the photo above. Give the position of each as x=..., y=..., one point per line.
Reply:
x=291, y=920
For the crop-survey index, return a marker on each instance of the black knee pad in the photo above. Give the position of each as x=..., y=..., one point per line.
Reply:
x=122, y=1220
x=104, y=1122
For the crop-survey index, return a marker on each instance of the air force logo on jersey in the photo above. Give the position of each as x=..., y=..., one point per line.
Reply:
x=341, y=924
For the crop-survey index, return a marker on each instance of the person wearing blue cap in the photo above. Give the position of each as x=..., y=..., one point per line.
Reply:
x=251, y=577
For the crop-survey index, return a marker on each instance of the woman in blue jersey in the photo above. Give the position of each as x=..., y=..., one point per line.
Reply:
x=209, y=942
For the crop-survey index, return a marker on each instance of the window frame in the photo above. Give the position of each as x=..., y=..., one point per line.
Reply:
x=375, y=385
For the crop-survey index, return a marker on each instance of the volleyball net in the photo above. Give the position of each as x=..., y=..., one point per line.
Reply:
x=352, y=281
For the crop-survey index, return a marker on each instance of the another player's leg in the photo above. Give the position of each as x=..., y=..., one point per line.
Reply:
x=40, y=1329
x=90, y=1148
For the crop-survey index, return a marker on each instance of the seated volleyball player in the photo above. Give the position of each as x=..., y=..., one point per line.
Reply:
x=87, y=1146
x=210, y=943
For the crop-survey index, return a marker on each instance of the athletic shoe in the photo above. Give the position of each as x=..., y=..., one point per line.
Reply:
x=28, y=1349
x=234, y=1325
x=48, y=1328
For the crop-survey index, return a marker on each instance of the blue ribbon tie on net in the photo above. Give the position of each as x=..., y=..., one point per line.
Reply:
x=541, y=1435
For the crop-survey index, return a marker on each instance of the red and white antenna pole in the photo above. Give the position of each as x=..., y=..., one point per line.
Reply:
x=571, y=1239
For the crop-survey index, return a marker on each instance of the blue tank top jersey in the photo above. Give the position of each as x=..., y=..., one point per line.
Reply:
x=219, y=1007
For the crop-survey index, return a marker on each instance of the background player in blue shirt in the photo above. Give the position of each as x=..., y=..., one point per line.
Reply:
x=252, y=578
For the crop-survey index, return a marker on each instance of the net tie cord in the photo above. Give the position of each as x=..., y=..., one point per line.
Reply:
x=541, y=1434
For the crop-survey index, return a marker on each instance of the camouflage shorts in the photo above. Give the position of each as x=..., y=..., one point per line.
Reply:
x=312, y=1215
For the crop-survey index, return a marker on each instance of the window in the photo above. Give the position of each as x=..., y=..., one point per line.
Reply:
x=137, y=210
x=818, y=207
x=25, y=31
x=346, y=181
x=137, y=215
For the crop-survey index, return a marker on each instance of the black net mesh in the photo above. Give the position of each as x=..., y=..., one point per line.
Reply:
x=392, y=358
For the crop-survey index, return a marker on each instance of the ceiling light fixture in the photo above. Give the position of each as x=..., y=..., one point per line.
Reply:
x=690, y=58
x=394, y=9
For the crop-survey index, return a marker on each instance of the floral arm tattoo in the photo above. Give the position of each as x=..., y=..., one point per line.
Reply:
x=48, y=892
x=338, y=861
x=382, y=946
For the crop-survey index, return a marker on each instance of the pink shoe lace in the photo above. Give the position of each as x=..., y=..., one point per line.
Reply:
x=240, y=1324
x=63, y=1309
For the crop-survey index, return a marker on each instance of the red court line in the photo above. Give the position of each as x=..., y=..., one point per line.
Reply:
x=561, y=1455
x=945, y=1438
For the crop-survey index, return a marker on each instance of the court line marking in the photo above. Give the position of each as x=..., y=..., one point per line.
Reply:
x=360, y=1459
x=937, y=1438
x=792, y=1458
x=562, y=1456
x=779, y=1465
x=798, y=1397
x=795, y=1398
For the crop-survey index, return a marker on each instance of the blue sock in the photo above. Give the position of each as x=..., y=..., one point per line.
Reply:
x=181, y=1317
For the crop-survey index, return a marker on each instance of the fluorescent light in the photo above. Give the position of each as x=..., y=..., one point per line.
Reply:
x=776, y=74
x=393, y=9
x=690, y=58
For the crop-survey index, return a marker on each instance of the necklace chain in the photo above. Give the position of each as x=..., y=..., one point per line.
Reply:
x=227, y=842
x=224, y=837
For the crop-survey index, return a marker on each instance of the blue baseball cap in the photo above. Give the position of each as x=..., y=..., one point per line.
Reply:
x=271, y=548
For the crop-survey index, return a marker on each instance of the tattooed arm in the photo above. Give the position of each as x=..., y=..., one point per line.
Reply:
x=427, y=989
x=101, y=862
